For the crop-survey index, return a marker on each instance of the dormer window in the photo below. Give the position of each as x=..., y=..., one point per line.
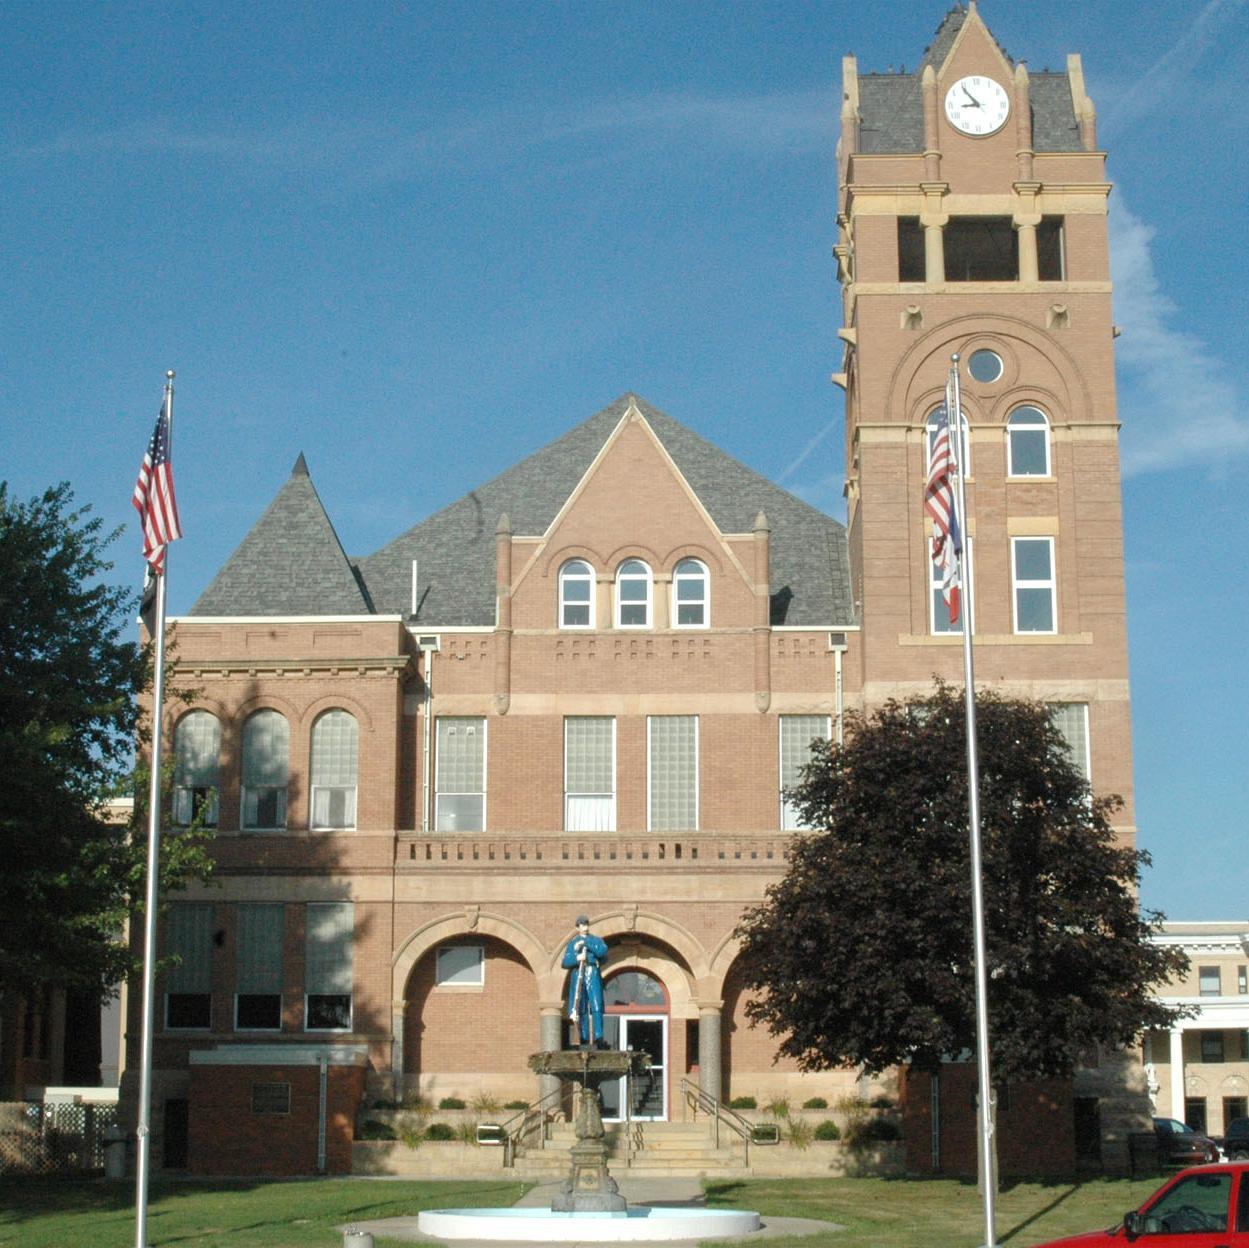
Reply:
x=691, y=595
x=576, y=595
x=633, y=595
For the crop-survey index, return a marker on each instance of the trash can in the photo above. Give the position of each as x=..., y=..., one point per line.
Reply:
x=114, y=1153
x=354, y=1238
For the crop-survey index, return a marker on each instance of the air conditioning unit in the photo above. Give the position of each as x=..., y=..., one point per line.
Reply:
x=428, y=641
x=837, y=641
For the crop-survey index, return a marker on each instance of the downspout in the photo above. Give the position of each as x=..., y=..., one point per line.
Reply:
x=428, y=744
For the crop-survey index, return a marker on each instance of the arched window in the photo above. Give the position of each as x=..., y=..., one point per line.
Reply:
x=576, y=595
x=964, y=446
x=633, y=989
x=1027, y=443
x=266, y=766
x=691, y=595
x=633, y=595
x=335, y=739
x=196, y=747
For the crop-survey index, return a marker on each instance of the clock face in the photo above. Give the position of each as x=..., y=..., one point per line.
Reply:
x=977, y=105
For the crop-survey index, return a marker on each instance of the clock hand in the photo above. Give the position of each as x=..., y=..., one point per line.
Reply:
x=975, y=102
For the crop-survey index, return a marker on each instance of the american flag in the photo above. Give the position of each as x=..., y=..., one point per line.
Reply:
x=153, y=497
x=947, y=541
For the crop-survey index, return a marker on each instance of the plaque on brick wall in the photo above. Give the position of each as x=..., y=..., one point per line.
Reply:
x=271, y=1098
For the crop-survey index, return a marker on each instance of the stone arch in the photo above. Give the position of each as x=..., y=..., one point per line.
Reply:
x=908, y=391
x=463, y=923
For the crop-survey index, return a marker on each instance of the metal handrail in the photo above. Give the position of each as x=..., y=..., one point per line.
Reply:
x=533, y=1115
x=697, y=1098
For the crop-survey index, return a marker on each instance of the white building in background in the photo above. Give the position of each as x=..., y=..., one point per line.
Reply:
x=1199, y=1071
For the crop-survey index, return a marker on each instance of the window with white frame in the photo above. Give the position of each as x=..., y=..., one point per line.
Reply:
x=589, y=773
x=258, y=967
x=1027, y=443
x=460, y=966
x=1209, y=981
x=460, y=796
x=335, y=750
x=1072, y=720
x=938, y=612
x=196, y=748
x=329, y=969
x=798, y=732
x=633, y=595
x=672, y=771
x=691, y=594
x=964, y=448
x=188, y=982
x=266, y=768
x=576, y=595
x=1034, y=583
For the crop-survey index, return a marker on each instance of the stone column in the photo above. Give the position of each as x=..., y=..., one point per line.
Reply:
x=396, y=1051
x=710, y=1075
x=550, y=1040
x=1177, y=1074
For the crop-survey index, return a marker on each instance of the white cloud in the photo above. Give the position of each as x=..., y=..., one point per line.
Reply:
x=1179, y=404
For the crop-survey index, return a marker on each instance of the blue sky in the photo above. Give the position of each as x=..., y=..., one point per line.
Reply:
x=418, y=241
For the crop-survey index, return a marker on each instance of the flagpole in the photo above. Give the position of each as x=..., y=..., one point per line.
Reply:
x=954, y=411
x=144, y=1129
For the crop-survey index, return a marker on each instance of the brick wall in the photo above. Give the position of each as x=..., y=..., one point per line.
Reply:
x=228, y=1137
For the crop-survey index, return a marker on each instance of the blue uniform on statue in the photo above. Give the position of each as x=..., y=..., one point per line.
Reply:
x=584, y=955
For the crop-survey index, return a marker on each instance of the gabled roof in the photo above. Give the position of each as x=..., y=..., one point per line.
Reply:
x=891, y=105
x=455, y=548
x=291, y=563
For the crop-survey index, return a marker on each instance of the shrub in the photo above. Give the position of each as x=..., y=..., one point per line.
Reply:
x=484, y=1103
x=816, y=1102
x=374, y=1130
x=828, y=1130
x=440, y=1131
x=863, y=1132
x=800, y=1132
x=743, y=1102
x=411, y=1134
x=779, y=1108
x=416, y=1102
x=516, y=1105
x=385, y=1105
x=452, y=1102
x=466, y=1133
x=881, y=1102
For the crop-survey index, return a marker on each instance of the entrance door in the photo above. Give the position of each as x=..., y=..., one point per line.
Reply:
x=649, y=1089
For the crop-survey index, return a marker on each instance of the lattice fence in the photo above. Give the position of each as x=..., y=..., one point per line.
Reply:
x=53, y=1139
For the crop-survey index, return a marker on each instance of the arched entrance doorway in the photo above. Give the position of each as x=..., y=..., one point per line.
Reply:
x=636, y=1016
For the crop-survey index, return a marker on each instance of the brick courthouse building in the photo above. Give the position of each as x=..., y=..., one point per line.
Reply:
x=584, y=686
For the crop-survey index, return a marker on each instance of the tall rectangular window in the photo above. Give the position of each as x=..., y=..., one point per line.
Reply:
x=460, y=800
x=1051, y=260
x=258, y=967
x=980, y=249
x=672, y=748
x=1209, y=983
x=590, y=773
x=1072, y=720
x=911, y=266
x=188, y=982
x=1035, y=586
x=1211, y=1046
x=797, y=734
x=329, y=969
x=1242, y=980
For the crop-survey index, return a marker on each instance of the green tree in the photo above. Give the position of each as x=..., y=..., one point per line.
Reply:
x=862, y=953
x=70, y=692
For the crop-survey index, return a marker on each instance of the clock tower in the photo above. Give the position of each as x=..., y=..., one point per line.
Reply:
x=972, y=215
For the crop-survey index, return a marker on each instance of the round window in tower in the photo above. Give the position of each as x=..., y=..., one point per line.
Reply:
x=985, y=366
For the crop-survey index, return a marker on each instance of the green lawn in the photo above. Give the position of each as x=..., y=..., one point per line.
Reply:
x=877, y=1213
x=934, y=1213
x=48, y=1213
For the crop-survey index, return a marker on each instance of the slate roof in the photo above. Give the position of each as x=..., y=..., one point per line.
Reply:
x=891, y=106
x=455, y=547
x=291, y=563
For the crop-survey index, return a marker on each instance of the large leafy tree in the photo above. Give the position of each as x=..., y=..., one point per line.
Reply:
x=863, y=952
x=70, y=689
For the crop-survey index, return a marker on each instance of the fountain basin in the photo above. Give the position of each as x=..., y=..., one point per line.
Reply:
x=636, y=1224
